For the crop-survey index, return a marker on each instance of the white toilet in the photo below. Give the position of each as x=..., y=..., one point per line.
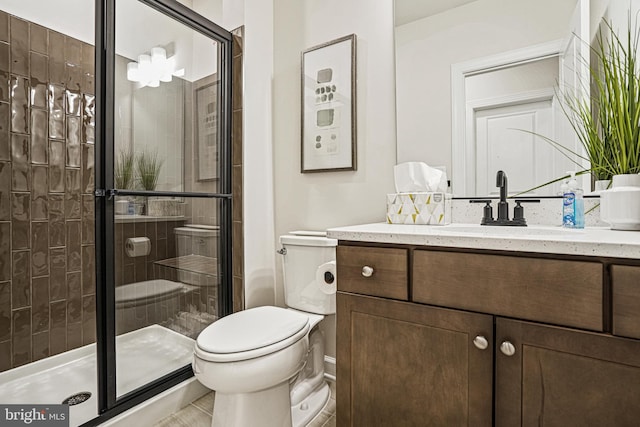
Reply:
x=196, y=239
x=266, y=364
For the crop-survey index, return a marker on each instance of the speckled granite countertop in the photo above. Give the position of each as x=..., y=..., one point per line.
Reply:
x=591, y=241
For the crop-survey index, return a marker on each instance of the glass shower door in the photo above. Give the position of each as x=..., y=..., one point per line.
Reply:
x=171, y=192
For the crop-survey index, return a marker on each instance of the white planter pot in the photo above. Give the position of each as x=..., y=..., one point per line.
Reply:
x=601, y=185
x=620, y=205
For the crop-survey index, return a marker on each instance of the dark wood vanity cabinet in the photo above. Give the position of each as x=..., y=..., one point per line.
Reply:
x=485, y=339
x=411, y=365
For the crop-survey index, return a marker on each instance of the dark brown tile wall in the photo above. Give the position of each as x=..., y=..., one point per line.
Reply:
x=163, y=246
x=236, y=178
x=188, y=313
x=47, y=278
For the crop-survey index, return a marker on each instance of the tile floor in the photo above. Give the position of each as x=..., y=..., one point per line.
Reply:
x=198, y=413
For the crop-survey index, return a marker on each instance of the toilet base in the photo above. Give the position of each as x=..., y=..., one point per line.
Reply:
x=310, y=407
x=268, y=408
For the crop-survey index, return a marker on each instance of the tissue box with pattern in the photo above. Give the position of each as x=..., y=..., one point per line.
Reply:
x=428, y=208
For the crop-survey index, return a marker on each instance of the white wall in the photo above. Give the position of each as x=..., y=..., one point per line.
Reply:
x=322, y=200
x=617, y=13
x=258, y=199
x=258, y=186
x=427, y=48
x=527, y=77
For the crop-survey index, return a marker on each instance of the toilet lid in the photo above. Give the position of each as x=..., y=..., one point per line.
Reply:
x=252, y=329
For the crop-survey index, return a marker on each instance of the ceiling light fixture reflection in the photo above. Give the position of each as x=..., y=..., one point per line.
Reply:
x=153, y=68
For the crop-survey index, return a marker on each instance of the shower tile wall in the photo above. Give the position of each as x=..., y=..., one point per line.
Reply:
x=47, y=279
x=163, y=246
x=236, y=177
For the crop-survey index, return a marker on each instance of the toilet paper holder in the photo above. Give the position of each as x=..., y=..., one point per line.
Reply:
x=326, y=278
x=329, y=277
x=137, y=246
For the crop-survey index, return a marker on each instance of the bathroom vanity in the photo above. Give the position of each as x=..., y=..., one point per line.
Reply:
x=481, y=326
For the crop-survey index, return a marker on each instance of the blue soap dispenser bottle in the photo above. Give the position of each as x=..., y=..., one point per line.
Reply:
x=572, y=204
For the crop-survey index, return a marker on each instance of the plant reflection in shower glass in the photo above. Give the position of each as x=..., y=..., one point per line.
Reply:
x=148, y=167
x=124, y=170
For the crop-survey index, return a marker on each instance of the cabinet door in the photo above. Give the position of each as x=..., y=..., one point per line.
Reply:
x=563, y=377
x=405, y=364
x=625, y=281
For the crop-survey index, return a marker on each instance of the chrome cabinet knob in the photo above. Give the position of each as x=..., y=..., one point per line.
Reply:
x=367, y=271
x=507, y=348
x=481, y=342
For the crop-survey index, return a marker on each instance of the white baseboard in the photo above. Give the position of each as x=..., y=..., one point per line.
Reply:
x=330, y=368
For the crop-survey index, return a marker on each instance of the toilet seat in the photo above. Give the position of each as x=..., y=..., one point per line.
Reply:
x=251, y=333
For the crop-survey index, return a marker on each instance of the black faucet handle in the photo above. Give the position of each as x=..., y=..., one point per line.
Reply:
x=518, y=210
x=487, y=215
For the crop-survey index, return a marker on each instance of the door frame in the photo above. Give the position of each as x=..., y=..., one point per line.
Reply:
x=462, y=151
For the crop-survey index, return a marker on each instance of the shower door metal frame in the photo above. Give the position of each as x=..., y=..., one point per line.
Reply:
x=109, y=404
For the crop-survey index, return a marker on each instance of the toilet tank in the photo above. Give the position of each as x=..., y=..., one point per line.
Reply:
x=194, y=239
x=304, y=254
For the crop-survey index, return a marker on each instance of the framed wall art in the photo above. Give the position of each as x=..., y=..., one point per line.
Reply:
x=329, y=106
x=207, y=147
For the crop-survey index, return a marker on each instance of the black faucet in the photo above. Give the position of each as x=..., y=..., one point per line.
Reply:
x=503, y=206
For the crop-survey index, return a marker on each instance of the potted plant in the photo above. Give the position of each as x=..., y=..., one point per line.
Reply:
x=124, y=176
x=148, y=167
x=617, y=113
x=124, y=170
x=608, y=125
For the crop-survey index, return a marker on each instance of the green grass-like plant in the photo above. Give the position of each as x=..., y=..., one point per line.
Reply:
x=607, y=124
x=148, y=170
x=609, y=128
x=124, y=170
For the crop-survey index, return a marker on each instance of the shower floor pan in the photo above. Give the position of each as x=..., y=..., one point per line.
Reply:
x=141, y=357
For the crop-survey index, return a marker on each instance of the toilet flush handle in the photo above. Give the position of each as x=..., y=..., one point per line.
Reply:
x=282, y=251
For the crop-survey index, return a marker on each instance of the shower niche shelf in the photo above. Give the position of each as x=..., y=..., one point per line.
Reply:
x=192, y=263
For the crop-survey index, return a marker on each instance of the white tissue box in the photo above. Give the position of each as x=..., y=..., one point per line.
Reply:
x=429, y=208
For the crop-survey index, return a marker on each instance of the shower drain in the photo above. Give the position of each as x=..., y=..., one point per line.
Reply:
x=77, y=398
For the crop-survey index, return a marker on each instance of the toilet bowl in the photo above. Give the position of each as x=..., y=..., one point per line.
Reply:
x=266, y=364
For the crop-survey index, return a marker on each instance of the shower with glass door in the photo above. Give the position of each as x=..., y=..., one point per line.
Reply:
x=115, y=199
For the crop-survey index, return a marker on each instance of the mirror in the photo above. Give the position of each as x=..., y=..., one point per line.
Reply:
x=166, y=77
x=471, y=72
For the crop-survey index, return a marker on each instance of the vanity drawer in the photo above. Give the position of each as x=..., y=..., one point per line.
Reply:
x=625, y=282
x=387, y=278
x=567, y=293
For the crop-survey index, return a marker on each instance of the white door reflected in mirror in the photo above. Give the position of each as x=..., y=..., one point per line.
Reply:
x=428, y=46
x=503, y=142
